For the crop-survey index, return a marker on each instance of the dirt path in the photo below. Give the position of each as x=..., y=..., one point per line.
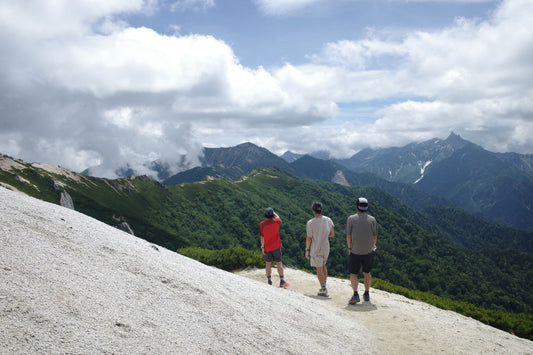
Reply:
x=404, y=326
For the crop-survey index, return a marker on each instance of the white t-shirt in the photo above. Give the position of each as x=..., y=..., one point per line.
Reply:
x=318, y=230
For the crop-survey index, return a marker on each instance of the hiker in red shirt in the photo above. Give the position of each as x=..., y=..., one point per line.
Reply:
x=271, y=244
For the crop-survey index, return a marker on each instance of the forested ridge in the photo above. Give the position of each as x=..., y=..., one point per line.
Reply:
x=228, y=214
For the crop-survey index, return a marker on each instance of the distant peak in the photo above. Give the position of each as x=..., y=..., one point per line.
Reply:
x=246, y=145
x=454, y=136
x=456, y=140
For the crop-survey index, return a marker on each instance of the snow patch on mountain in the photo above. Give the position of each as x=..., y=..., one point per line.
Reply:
x=423, y=167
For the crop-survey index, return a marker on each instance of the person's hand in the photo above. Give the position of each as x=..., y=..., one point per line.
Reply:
x=307, y=254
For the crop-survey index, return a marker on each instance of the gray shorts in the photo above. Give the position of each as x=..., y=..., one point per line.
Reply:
x=318, y=260
x=274, y=255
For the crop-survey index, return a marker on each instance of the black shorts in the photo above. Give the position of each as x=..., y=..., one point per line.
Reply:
x=274, y=255
x=356, y=261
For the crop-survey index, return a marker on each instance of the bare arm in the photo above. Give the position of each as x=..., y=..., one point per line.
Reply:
x=263, y=244
x=349, y=242
x=307, y=246
x=331, y=232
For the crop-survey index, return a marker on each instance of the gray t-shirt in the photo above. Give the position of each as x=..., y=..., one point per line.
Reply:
x=318, y=230
x=362, y=228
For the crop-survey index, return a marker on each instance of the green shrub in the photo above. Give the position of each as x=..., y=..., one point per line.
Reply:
x=228, y=259
x=519, y=324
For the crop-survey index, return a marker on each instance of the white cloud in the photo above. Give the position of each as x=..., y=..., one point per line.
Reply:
x=44, y=19
x=128, y=95
x=358, y=55
x=473, y=78
x=81, y=85
x=139, y=59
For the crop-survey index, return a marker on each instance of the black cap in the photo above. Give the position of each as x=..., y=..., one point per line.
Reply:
x=269, y=212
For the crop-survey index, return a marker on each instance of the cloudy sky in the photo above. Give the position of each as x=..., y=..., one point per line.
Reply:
x=109, y=82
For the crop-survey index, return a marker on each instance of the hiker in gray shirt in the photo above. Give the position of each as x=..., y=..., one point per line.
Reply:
x=319, y=229
x=361, y=237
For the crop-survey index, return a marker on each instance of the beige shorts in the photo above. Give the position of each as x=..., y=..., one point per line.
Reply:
x=318, y=260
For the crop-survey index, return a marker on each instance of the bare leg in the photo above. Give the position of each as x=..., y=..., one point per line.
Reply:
x=368, y=280
x=354, y=281
x=268, y=268
x=322, y=274
x=280, y=268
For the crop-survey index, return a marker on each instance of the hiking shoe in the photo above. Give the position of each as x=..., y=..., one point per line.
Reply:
x=283, y=283
x=355, y=298
x=323, y=292
x=269, y=282
x=366, y=296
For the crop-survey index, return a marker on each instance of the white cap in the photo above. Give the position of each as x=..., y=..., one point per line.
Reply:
x=362, y=204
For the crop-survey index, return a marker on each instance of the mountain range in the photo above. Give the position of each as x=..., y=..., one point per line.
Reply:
x=408, y=164
x=453, y=172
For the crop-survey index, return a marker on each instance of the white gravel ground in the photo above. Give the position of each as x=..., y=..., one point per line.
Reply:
x=71, y=284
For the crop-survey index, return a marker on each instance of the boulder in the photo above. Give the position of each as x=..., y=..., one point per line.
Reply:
x=66, y=201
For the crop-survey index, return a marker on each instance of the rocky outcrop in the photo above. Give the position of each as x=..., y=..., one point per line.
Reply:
x=340, y=179
x=65, y=200
x=124, y=226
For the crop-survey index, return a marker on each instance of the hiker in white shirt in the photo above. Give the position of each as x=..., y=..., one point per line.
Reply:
x=319, y=230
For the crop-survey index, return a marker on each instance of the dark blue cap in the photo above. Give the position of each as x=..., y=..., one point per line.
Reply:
x=269, y=212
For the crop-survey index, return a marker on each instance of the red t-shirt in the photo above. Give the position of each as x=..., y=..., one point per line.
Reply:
x=269, y=229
